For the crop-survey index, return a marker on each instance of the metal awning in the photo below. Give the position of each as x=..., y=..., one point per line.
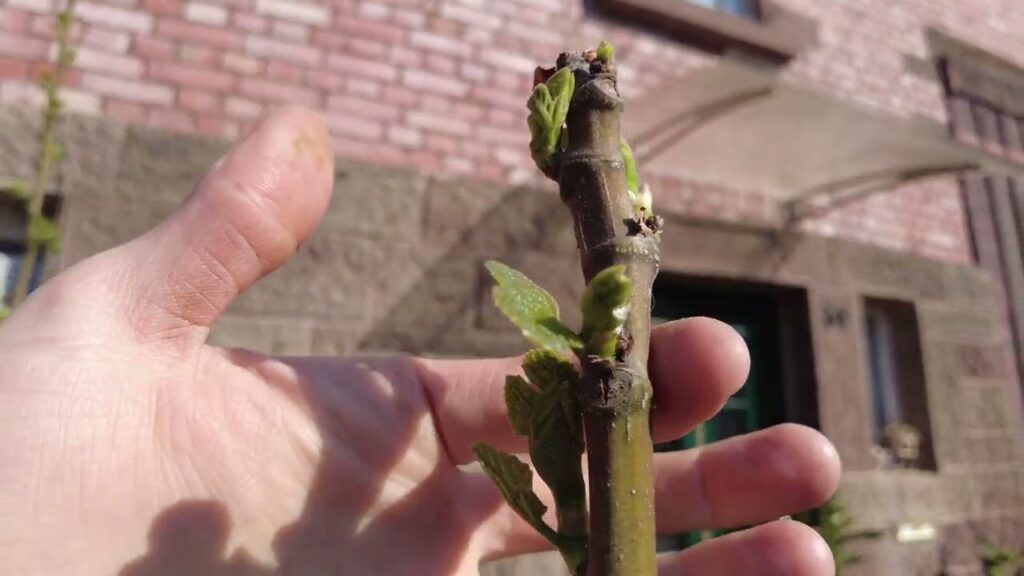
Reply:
x=741, y=128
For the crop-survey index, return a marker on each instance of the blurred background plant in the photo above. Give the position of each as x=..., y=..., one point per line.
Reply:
x=836, y=525
x=1000, y=561
x=42, y=232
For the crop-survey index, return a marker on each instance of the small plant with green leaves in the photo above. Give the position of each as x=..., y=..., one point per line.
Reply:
x=586, y=390
x=999, y=561
x=42, y=233
x=836, y=526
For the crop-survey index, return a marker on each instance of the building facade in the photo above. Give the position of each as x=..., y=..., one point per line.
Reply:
x=839, y=180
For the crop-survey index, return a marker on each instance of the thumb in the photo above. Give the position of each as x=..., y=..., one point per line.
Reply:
x=245, y=219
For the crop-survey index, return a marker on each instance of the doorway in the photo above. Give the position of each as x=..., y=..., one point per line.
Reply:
x=773, y=321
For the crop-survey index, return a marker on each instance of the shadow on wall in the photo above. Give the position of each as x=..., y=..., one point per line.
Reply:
x=448, y=309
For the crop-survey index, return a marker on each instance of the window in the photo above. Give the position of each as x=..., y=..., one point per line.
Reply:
x=745, y=8
x=12, y=242
x=765, y=31
x=896, y=373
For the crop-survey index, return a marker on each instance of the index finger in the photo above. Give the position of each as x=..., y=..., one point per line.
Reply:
x=696, y=365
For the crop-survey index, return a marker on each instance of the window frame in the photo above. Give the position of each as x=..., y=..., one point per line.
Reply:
x=776, y=36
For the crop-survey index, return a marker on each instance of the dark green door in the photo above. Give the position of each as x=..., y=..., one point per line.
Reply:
x=754, y=313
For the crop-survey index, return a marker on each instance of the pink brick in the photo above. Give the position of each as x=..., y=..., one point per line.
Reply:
x=163, y=7
x=198, y=100
x=438, y=123
x=330, y=40
x=406, y=57
x=350, y=125
x=277, y=92
x=439, y=43
x=401, y=96
x=290, y=31
x=242, y=64
x=441, y=64
x=325, y=80
x=118, y=65
x=204, y=13
x=405, y=137
x=191, y=76
x=131, y=112
x=270, y=47
x=374, y=10
x=249, y=22
x=435, y=83
x=368, y=29
x=410, y=18
x=153, y=49
x=362, y=108
x=23, y=46
x=134, y=20
x=199, y=56
x=443, y=144
x=470, y=16
x=241, y=108
x=189, y=32
x=459, y=165
x=368, y=48
x=129, y=90
x=313, y=13
x=362, y=67
x=510, y=136
x=363, y=88
x=13, y=69
x=14, y=20
x=169, y=119
x=285, y=72
x=107, y=40
x=37, y=6
x=217, y=126
x=474, y=72
x=435, y=104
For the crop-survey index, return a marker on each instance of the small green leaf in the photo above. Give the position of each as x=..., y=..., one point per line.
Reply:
x=546, y=369
x=5, y=312
x=43, y=232
x=630, y=163
x=514, y=480
x=605, y=52
x=532, y=309
x=605, y=306
x=556, y=444
x=520, y=398
x=549, y=106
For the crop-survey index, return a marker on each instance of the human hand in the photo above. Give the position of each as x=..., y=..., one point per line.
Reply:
x=130, y=446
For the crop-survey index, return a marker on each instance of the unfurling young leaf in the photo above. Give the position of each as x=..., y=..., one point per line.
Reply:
x=520, y=398
x=549, y=105
x=605, y=306
x=532, y=309
x=514, y=480
x=605, y=52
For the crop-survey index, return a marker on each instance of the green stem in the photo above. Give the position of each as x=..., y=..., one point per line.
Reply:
x=616, y=395
x=49, y=154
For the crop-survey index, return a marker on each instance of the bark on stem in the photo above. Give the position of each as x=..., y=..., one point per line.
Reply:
x=616, y=396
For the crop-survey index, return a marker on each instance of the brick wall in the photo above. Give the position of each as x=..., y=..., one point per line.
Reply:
x=416, y=82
